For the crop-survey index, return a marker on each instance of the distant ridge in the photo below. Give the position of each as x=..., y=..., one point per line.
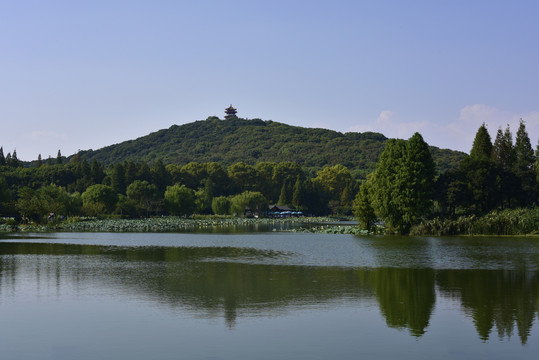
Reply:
x=235, y=139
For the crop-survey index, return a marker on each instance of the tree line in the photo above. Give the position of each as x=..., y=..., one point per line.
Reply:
x=404, y=191
x=134, y=189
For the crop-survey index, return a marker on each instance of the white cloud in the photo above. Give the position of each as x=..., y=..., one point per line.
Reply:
x=463, y=129
x=457, y=134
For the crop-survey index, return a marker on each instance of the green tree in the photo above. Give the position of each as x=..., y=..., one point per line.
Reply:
x=39, y=162
x=402, y=183
x=524, y=167
x=220, y=205
x=482, y=144
x=299, y=196
x=118, y=179
x=284, y=198
x=362, y=208
x=98, y=199
x=244, y=176
x=59, y=158
x=252, y=201
x=160, y=176
x=97, y=174
x=502, y=151
x=203, y=197
x=524, y=156
x=2, y=157
x=51, y=199
x=179, y=200
x=5, y=196
x=144, y=194
x=266, y=184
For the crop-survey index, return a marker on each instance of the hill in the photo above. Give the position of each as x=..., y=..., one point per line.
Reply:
x=251, y=141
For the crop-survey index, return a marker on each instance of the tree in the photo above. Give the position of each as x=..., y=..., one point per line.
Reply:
x=143, y=194
x=334, y=179
x=203, y=198
x=524, y=166
x=59, y=158
x=51, y=199
x=362, y=208
x=299, y=195
x=244, y=176
x=99, y=198
x=252, y=201
x=179, y=200
x=2, y=157
x=502, y=151
x=284, y=198
x=5, y=196
x=524, y=156
x=39, y=162
x=160, y=176
x=118, y=179
x=220, y=205
x=403, y=182
x=482, y=144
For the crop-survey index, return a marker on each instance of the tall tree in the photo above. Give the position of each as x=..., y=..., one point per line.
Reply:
x=524, y=156
x=482, y=144
x=160, y=176
x=524, y=166
x=39, y=162
x=59, y=158
x=2, y=157
x=118, y=179
x=362, y=208
x=502, y=151
x=402, y=183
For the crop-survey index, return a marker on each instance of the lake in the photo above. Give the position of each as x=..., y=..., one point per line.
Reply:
x=267, y=295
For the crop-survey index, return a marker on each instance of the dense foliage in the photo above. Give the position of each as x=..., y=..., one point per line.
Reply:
x=404, y=190
x=76, y=188
x=473, y=198
x=235, y=140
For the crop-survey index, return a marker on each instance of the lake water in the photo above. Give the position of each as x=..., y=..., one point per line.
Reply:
x=274, y=295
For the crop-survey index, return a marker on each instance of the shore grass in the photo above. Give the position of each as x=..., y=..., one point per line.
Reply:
x=523, y=221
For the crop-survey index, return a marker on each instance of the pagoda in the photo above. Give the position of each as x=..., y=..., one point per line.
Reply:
x=230, y=112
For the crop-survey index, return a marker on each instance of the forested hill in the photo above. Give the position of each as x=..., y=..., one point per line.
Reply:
x=251, y=141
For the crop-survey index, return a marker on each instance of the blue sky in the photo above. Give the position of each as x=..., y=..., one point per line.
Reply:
x=86, y=74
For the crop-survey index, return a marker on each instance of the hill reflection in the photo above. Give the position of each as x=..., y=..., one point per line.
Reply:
x=233, y=282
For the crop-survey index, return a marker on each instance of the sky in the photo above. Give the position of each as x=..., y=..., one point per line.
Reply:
x=79, y=75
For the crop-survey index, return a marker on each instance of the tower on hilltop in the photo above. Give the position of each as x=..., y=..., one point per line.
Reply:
x=230, y=112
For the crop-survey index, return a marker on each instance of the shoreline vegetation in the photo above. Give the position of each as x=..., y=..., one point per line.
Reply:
x=509, y=222
x=492, y=191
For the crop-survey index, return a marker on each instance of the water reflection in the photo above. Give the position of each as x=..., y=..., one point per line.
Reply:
x=230, y=282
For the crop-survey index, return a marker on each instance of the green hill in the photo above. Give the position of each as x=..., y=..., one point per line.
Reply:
x=251, y=141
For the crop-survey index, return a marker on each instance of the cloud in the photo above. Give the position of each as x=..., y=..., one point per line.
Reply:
x=456, y=134
x=463, y=129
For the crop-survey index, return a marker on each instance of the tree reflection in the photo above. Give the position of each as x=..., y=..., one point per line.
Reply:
x=233, y=282
x=502, y=298
x=406, y=296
